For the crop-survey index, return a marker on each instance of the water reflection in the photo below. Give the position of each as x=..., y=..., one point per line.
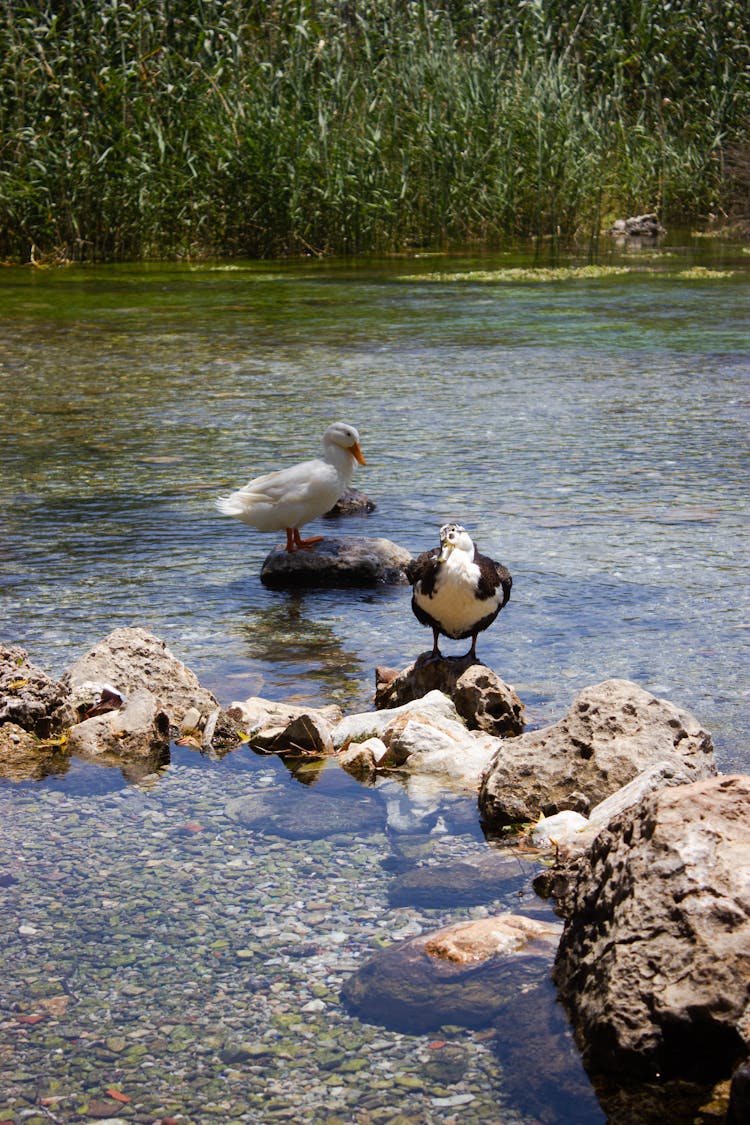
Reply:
x=288, y=632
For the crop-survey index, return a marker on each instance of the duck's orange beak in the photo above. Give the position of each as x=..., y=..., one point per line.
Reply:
x=356, y=453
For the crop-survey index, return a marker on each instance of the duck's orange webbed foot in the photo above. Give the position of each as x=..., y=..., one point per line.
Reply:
x=306, y=544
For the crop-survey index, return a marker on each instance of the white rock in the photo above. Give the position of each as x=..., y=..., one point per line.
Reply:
x=372, y=724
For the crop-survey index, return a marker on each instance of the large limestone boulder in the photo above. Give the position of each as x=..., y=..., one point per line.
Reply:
x=28, y=696
x=132, y=659
x=612, y=732
x=482, y=699
x=654, y=963
x=337, y=562
x=463, y=974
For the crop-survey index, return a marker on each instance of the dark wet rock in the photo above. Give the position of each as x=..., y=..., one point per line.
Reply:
x=337, y=562
x=459, y=884
x=28, y=696
x=24, y=757
x=612, y=732
x=654, y=964
x=300, y=814
x=352, y=503
x=138, y=731
x=306, y=735
x=542, y=1069
x=739, y=1096
x=481, y=698
x=131, y=659
x=463, y=974
x=637, y=226
x=631, y=1101
x=286, y=727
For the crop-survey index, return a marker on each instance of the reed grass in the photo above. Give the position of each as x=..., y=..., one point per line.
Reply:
x=158, y=128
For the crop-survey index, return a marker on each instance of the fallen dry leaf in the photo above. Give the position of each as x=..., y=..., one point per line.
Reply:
x=117, y=1095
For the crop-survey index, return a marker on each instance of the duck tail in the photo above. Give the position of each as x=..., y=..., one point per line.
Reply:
x=228, y=506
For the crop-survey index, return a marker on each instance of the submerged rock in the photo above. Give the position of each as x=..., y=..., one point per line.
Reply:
x=612, y=732
x=481, y=698
x=463, y=974
x=654, y=963
x=460, y=884
x=304, y=814
x=337, y=562
x=541, y=1067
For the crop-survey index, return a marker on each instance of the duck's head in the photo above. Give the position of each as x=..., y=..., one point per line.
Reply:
x=341, y=433
x=453, y=537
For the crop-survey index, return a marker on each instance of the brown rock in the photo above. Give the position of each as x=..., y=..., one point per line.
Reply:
x=654, y=964
x=463, y=974
x=480, y=697
x=28, y=696
x=469, y=943
x=613, y=731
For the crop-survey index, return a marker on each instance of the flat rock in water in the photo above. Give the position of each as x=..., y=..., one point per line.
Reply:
x=459, y=884
x=463, y=974
x=306, y=815
x=337, y=562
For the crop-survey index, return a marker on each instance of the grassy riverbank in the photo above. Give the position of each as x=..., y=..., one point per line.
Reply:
x=152, y=129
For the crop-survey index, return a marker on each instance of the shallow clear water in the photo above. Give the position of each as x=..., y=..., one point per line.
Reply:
x=592, y=435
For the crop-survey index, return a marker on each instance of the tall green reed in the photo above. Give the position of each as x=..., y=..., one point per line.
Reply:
x=313, y=126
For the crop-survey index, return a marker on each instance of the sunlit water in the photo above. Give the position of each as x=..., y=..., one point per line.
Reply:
x=592, y=435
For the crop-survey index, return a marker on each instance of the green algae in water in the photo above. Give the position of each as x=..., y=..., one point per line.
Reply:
x=701, y=273
x=521, y=273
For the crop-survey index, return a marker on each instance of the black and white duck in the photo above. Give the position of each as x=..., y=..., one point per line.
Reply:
x=457, y=591
x=287, y=499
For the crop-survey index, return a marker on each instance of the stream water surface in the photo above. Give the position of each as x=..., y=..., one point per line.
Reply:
x=161, y=961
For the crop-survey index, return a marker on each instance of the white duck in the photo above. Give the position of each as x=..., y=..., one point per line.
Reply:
x=289, y=498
